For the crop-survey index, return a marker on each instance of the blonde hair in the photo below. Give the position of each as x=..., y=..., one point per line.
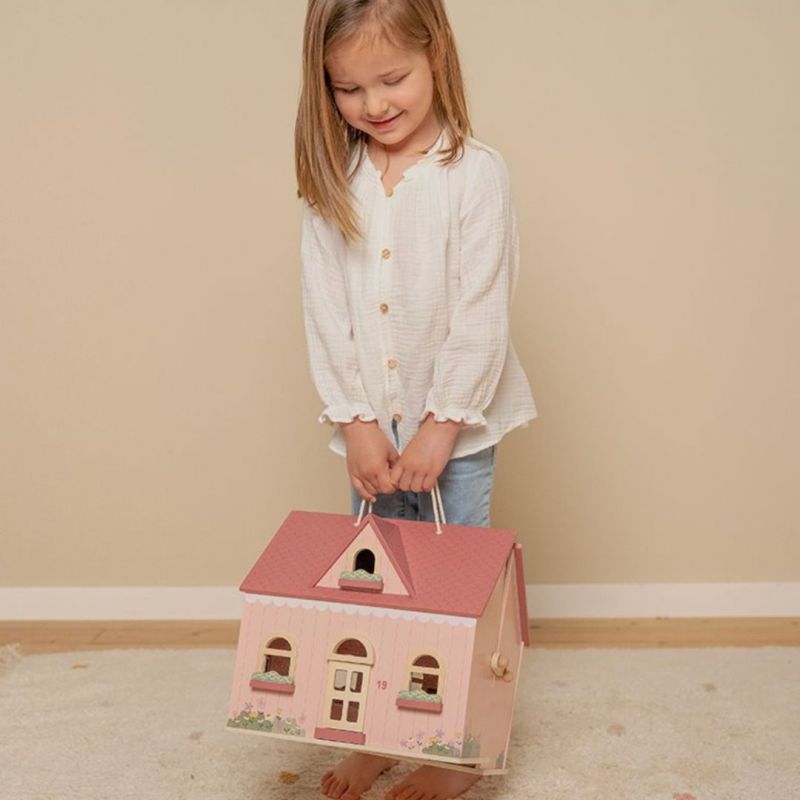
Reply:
x=324, y=142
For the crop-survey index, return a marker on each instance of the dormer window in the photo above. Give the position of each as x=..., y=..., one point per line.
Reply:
x=362, y=576
x=365, y=559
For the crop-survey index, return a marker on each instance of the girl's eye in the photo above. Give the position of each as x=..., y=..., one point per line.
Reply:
x=353, y=91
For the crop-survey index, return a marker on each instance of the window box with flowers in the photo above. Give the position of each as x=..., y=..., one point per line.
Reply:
x=272, y=682
x=361, y=580
x=420, y=701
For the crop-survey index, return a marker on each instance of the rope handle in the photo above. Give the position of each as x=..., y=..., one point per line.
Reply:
x=361, y=512
x=438, y=509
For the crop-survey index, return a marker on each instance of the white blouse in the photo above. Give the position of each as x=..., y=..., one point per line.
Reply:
x=414, y=318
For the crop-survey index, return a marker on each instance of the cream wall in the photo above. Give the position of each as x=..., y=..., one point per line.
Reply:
x=157, y=419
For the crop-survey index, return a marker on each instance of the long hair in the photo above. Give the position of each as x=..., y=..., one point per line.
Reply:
x=325, y=144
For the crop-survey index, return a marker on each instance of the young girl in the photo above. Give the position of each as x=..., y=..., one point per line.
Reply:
x=410, y=255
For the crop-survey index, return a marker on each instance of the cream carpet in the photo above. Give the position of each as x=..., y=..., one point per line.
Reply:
x=710, y=724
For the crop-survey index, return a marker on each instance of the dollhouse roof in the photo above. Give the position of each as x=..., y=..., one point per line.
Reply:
x=452, y=573
x=389, y=536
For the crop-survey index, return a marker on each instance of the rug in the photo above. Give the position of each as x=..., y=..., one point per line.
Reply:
x=683, y=724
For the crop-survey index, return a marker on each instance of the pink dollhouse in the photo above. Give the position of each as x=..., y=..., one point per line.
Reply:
x=384, y=636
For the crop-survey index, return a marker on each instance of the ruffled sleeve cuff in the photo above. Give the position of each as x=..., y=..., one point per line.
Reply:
x=346, y=413
x=471, y=417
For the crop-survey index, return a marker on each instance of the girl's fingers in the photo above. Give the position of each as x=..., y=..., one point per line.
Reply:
x=385, y=483
x=416, y=482
x=363, y=492
x=372, y=490
x=404, y=481
x=395, y=474
x=431, y=478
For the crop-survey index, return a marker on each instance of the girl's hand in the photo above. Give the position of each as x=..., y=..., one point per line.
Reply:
x=370, y=457
x=426, y=456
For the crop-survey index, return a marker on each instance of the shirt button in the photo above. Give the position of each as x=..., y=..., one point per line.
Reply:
x=386, y=253
x=392, y=362
x=389, y=192
x=397, y=417
x=384, y=308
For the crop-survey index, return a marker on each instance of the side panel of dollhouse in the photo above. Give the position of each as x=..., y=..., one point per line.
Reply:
x=406, y=654
x=491, y=699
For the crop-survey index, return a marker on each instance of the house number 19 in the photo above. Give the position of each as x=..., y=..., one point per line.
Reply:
x=382, y=684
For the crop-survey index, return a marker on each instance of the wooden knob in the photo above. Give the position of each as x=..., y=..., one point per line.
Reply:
x=495, y=665
x=499, y=666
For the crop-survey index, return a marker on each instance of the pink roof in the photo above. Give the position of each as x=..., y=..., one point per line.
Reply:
x=389, y=536
x=453, y=573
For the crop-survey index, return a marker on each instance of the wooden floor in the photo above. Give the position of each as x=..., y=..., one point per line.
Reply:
x=52, y=637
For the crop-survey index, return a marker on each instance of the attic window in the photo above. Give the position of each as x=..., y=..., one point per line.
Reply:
x=365, y=559
x=362, y=577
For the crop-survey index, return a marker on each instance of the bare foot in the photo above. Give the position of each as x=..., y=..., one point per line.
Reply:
x=432, y=783
x=353, y=775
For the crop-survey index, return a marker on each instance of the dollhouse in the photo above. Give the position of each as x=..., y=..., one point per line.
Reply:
x=384, y=636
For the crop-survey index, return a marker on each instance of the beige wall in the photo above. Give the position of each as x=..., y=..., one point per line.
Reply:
x=157, y=420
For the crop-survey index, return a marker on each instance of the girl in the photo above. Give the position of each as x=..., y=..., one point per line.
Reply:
x=410, y=255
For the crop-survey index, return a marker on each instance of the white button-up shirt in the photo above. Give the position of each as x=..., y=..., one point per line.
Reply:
x=414, y=318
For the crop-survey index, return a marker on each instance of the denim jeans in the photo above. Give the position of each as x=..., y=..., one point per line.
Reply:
x=465, y=484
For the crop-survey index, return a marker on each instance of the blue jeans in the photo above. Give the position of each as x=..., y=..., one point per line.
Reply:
x=465, y=484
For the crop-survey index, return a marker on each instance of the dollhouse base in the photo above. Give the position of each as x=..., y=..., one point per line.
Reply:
x=473, y=766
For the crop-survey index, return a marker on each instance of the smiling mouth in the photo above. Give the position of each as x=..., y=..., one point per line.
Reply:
x=384, y=121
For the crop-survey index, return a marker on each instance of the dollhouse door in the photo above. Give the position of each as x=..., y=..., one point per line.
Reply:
x=344, y=709
x=347, y=693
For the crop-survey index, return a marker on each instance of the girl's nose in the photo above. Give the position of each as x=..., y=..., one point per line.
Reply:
x=375, y=107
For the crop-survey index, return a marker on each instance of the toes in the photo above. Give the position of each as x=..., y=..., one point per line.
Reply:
x=337, y=789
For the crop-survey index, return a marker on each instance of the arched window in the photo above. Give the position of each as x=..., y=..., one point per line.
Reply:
x=425, y=674
x=351, y=647
x=365, y=559
x=278, y=656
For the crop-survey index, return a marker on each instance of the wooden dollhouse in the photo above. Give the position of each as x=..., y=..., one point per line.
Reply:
x=384, y=636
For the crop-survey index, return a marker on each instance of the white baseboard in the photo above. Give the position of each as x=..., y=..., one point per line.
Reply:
x=626, y=600
x=600, y=600
x=121, y=602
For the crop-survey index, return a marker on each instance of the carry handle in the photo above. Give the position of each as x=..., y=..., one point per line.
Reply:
x=438, y=509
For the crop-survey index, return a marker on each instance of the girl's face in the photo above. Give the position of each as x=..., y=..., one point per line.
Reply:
x=376, y=83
